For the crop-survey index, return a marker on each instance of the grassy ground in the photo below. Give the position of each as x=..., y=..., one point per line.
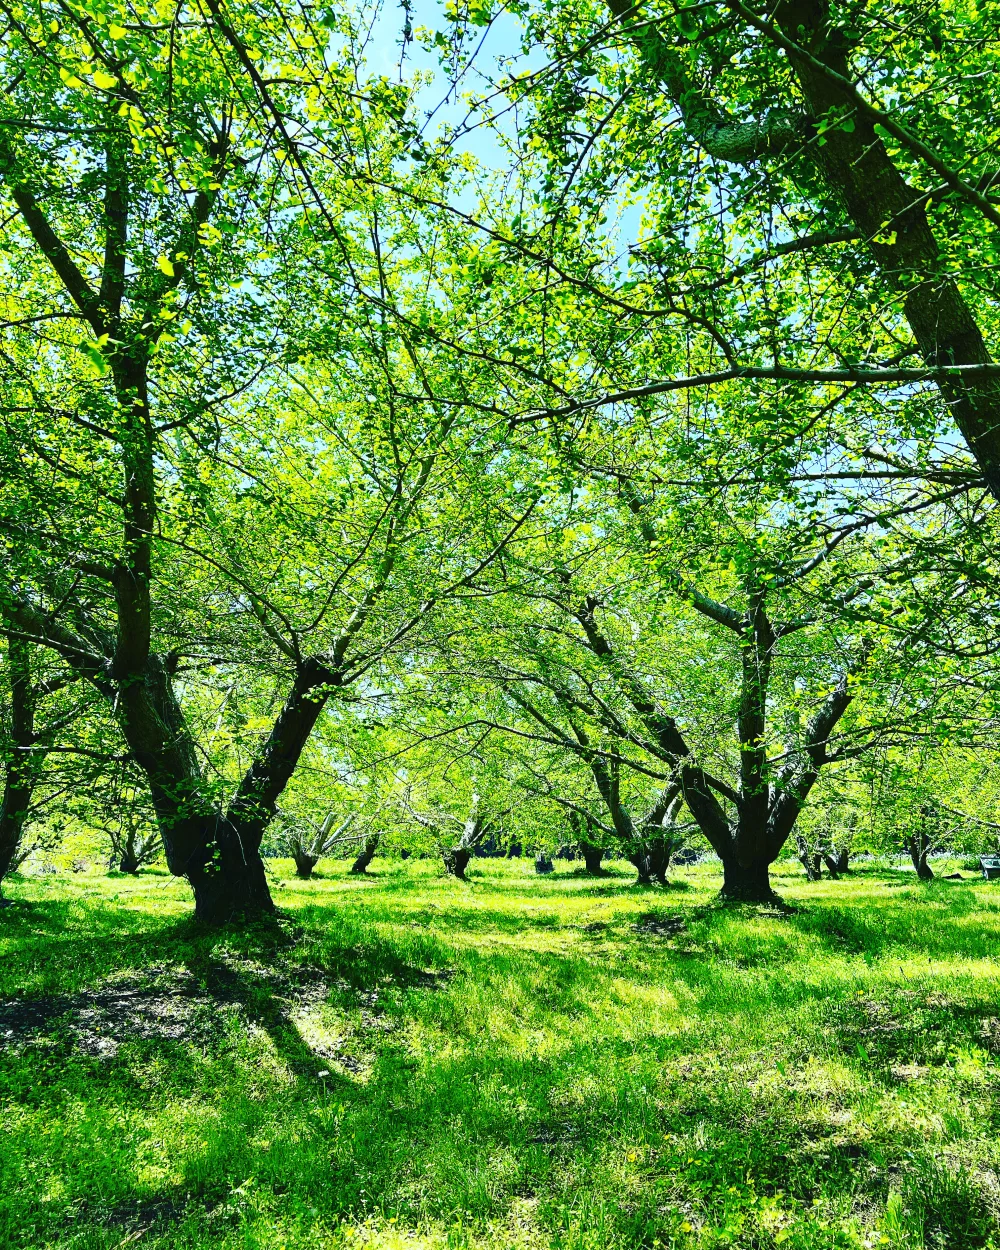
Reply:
x=412, y=1062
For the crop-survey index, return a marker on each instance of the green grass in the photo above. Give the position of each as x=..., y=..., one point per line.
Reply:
x=510, y=1064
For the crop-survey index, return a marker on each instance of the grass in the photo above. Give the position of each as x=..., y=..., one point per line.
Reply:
x=407, y=1061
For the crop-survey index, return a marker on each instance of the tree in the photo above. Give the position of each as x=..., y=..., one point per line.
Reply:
x=181, y=537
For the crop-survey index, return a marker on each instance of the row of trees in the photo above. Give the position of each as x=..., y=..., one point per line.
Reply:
x=617, y=444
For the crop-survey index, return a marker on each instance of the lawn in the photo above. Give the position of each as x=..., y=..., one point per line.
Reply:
x=519, y=1061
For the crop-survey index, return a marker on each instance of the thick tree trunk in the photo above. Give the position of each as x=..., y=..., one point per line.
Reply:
x=592, y=856
x=746, y=883
x=304, y=864
x=894, y=221
x=231, y=884
x=22, y=764
x=833, y=860
x=360, y=865
x=658, y=858
x=456, y=860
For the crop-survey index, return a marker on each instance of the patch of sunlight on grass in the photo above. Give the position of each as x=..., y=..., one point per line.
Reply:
x=553, y=1063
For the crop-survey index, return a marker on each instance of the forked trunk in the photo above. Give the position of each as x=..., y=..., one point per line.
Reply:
x=360, y=865
x=304, y=864
x=919, y=845
x=456, y=860
x=128, y=863
x=837, y=862
x=592, y=856
x=746, y=883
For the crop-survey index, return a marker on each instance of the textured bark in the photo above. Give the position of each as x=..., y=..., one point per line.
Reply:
x=22, y=764
x=883, y=206
x=304, y=864
x=640, y=861
x=456, y=860
x=658, y=858
x=839, y=861
x=592, y=856
x=918, y=845
x=232, y=884
x=747, y=883
x=128, y=863
x=360, y=865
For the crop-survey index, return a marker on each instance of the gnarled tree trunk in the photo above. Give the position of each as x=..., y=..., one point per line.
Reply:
x=919, y=846
x=304, y=863
x=837, y=862
x=456, y=860
x=360, y=865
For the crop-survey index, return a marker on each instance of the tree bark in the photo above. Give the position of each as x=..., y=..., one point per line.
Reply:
x=592, y=856
x=360, y=865
x=456, y=860
x=22, y=766
x=229, y=882
x=304, y=864
x=128, y=863
x=894, y=220
x=747, y=883
x=640, y=860
x=919, y=845
x=658, y=858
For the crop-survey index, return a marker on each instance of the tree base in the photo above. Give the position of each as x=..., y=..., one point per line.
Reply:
x=747, y=883
x=304, y=865
x=456, y=861
x=236, y=894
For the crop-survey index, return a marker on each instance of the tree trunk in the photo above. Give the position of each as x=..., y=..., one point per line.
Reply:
x=918, y=845
x=874, y=192
x=456, y=860
x=360, y=865
x=229, y=883
x=746, y=883
x=22, y=764
x=543, y=865
x=811, y=861
x=128, y=863
x=658, y=858
x=304, y=864
x=641, y=862
x=592, y=856
x=836, y=863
